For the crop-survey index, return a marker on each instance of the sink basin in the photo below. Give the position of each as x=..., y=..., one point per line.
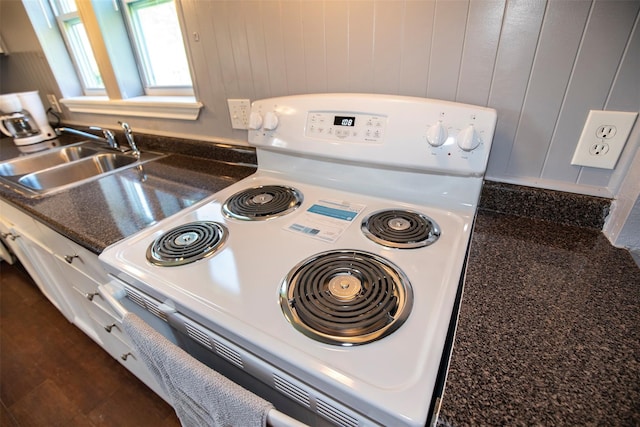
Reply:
x=45, y=173
x=89, y=167
x=36, y=162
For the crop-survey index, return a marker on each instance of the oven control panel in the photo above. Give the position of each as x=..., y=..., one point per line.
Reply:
x=346, y=126
x=398, y=132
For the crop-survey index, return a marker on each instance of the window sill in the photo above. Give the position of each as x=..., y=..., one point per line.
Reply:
x=161, y=107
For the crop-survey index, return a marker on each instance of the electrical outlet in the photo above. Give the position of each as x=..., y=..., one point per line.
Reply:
x=53, y=101
x=603, y=137
x=239, y=110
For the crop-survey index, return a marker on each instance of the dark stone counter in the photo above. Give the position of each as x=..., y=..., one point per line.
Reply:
x=549, y=329
x=101, y=212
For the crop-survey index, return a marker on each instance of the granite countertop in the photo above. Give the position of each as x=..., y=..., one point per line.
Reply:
x=101, y=212
x=549, y=328
x=549, y=324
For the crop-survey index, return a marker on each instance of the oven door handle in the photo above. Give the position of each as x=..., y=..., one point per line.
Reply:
x=112, y=293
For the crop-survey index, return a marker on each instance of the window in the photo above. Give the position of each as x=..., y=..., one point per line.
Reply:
x=151, y=32
x=75, y=37
x=154, y=27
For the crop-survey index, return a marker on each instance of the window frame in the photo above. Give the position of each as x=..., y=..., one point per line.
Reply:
x=77, y=54
x=141, y=60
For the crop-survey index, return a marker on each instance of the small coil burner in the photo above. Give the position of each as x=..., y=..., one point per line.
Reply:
x=346, y=297
x=262, y=203
x=400, y=229
x=187, y=243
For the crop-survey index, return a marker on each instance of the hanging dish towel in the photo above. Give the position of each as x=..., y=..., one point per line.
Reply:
x=200, y=396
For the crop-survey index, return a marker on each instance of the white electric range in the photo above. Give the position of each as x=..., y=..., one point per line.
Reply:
x=330, y=276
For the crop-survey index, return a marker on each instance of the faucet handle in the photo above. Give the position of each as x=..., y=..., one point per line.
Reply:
x=108, y=135
x=128, y=133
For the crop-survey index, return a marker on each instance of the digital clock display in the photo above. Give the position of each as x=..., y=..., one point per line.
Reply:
x=344, y=121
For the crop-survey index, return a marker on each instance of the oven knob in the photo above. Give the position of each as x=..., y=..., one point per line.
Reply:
x=436, y=135
x=270, y=121
x=468, y=138
x=255, y=121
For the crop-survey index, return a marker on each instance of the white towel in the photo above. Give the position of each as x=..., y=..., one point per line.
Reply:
x=200, y=396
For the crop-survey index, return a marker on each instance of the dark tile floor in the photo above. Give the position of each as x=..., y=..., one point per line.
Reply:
x=52, y=374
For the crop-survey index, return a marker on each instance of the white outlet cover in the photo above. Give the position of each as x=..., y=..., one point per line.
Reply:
x=586, y=155
x=239, y=110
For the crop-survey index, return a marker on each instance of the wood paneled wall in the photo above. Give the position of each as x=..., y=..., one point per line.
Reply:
x=542, y=64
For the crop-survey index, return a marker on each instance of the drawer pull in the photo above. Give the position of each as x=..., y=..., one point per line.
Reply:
x=69, y=258
x=91, y=295
x=108, y=328
x=126, y=356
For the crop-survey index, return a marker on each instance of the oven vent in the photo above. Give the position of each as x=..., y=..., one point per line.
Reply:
x=335, y=415
x=198, y=336
x=138, y=299
x=228, y=353
x=154, y=309
x=147, y=303
x=290, y=390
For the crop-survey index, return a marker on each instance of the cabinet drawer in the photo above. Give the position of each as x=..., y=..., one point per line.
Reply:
x=127, y=357
x=74, y=254
x=14, y=217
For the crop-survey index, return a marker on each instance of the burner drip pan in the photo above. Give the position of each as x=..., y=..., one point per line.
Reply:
x=346, y=297
x=187, y=243
x=402, y=229
x=262, y=203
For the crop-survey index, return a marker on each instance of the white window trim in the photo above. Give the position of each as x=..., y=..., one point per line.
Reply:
x=163, y=107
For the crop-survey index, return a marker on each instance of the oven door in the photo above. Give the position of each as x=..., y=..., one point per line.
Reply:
x=124, y=299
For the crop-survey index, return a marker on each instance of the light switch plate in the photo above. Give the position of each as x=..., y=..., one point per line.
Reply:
x=603, y=137
x=239, y=110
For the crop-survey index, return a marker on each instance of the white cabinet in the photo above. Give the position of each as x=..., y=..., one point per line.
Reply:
x=19, y=232
x=69, y=276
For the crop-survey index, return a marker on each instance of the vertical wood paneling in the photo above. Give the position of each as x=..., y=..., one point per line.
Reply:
x=274, y=43
x=446, y=53
x=294, y=47
x=252, y=11
x=602, y=46
x=549, y=77
x=313, y=29
x=337, y=45
x=541, y=64
x=623, y=96
x=360, y=46
x=416, y=47
x=219, y=21
x=518, y=41
x=480, y=49
x=240, y=51
x=388, y=22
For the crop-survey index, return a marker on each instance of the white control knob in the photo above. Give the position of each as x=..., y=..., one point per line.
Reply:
x=437, y=135
x=255, y=121
x=270, y=121
x=468, y=138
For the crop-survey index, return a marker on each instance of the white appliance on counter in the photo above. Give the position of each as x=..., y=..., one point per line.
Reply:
x=22, y=117
x=328, y=281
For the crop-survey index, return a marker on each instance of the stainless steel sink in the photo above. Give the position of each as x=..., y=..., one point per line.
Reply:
x=39, y=161
x=89, y=167
x=44, y=173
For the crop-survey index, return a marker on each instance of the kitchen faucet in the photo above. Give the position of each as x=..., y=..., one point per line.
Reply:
x=128, y=133
x=109, y=137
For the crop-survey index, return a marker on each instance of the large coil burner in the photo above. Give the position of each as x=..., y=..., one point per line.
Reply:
x=402, y=229
x=187, y=243
x=346, y=297
x=262, y=203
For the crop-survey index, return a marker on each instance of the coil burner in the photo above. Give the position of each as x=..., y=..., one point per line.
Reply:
x=400, y=229
x=187, y=243
x=262, y=203
x=346, y=297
